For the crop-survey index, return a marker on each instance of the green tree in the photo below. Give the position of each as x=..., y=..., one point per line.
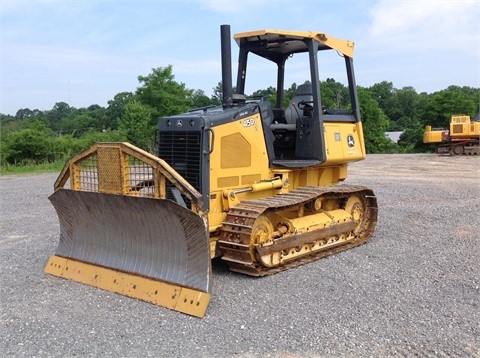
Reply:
x=411, y=140
x=200, y=99
x=25, y=113
x=115, y=109
x=334, y=94
x=33, y=144
x=382, y=92
x=288, y=94
x=134, y=125
x=404, y=108
x=163, y=94
x=99, y=115
x=441, y=105
x=78, y=123
x=10, y=124
x=59, y=113
x=401, y=106
x=270, y=94
x=217, y=96
x=407, y=99
x=6, y=118
x=375, y=124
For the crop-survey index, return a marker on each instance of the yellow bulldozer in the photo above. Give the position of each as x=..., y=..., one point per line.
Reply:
x=247, y=182
x=462, y=137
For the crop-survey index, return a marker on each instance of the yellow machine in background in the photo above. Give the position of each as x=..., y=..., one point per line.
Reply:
x=246, y=182
x=461, y=138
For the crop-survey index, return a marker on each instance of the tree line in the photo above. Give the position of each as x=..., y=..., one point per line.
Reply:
x=36, y=136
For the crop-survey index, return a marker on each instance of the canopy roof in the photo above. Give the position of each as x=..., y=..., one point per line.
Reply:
x=275, y=44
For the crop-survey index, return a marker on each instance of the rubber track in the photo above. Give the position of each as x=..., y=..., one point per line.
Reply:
x=236, y=230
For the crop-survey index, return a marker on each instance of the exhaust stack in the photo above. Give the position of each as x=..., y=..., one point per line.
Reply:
x=226, y=66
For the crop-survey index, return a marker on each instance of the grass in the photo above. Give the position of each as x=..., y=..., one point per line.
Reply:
x=30, y=168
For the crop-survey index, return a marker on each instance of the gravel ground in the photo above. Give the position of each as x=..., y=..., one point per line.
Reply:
x=413, y=290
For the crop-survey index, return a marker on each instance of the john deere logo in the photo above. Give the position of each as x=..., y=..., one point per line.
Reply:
x=350, y=141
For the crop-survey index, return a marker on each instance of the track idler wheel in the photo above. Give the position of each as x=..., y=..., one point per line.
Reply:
x=457, y=149
x=265, y=230
x=355, y=206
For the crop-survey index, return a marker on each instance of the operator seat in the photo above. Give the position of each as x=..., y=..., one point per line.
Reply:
x=303, y=93
x=285, y=129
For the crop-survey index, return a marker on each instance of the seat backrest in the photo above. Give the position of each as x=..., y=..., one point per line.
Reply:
x=303, y=93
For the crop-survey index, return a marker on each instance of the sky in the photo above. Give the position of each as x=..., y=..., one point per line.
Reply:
x=85, y=52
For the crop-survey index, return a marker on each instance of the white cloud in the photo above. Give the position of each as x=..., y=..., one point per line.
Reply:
x=426, y=24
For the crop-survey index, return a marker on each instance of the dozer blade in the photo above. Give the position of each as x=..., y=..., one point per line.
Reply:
x=146, y=248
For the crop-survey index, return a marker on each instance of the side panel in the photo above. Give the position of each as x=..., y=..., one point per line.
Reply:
x=344, y=142
x=475, y=129
x=316, y=176
x=461, y=127
x=239, y=159
x=433, y=136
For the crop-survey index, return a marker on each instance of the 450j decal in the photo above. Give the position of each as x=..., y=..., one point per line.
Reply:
x=249, y=122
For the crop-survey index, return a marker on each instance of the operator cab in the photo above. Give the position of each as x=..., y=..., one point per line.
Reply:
x=295, y=135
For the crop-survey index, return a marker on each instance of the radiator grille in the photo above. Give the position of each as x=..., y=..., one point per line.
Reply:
x=182, y=151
